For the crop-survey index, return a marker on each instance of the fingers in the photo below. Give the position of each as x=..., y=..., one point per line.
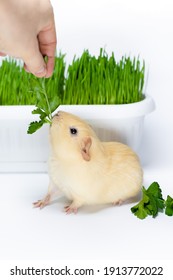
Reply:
x=29, y=34
x=2, y=54
x=47, y=46
x=50, y=66
x=34, y=62
x=40, y=73
x=44, y=45
x=44, y=71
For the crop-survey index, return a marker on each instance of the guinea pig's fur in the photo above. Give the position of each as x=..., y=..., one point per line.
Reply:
x=86, y=170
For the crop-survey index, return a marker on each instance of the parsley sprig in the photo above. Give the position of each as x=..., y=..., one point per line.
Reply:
x=152, y=203
x=169, y=206
x=44, y=107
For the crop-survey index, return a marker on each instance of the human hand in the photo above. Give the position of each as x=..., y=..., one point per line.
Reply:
x=27, y=31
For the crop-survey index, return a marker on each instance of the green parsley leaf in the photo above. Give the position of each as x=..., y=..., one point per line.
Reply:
x=151, y=202
x=155, y=190
x=40, y=112
x=169, y=206
x=45, y=106
x=34, y=126
x=54, y=102
x=140, y=209
x=156, y=201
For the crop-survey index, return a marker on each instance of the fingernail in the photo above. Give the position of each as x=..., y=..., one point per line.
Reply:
x=27, y=70
x=2, y=54
x=42, y=70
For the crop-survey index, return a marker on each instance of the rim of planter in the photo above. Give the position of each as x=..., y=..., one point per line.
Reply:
x=131, y=110
x=17, y=112
x=137, y=109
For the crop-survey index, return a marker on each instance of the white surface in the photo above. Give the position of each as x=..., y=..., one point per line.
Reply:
x=132, y=27
x=93, y=233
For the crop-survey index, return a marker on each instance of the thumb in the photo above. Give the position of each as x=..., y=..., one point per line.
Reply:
x=34, y=62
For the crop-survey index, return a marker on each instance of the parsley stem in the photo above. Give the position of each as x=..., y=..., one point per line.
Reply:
x=45, y=94
x=48, y=121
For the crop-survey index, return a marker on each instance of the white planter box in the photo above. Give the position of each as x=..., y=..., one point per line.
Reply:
x=20, y=152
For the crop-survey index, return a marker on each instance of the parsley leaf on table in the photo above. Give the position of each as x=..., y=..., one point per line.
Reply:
x=151, y=202
x=169, y=206
x=156, y=201
x=140, y=209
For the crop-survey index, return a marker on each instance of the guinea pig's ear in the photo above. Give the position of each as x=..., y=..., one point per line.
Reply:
x=85, y=147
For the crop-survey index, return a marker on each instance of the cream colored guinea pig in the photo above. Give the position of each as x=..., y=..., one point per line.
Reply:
x=86, y=170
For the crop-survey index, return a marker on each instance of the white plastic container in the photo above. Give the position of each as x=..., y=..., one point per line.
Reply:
x=123, y=123
x=20, y=152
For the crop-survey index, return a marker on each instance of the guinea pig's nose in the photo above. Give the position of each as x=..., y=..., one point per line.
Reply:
x=57, y=114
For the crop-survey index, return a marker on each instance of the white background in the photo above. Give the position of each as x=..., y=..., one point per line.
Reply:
x=126, y=27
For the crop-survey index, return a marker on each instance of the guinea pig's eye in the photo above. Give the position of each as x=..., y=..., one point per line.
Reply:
x=73, y=131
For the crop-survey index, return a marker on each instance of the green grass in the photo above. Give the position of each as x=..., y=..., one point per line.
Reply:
x=20, y=88
x=88, y=80
x=102, y=80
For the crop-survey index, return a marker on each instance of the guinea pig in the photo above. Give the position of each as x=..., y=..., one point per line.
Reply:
x=86, y=170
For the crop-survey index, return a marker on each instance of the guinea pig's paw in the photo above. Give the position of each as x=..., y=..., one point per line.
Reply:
x=38, y=204
x=42, y=203
x=69, y=209
x=118, y=202
x=73, y=207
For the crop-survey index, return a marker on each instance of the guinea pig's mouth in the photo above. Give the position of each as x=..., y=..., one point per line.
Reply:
x=57, y=114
